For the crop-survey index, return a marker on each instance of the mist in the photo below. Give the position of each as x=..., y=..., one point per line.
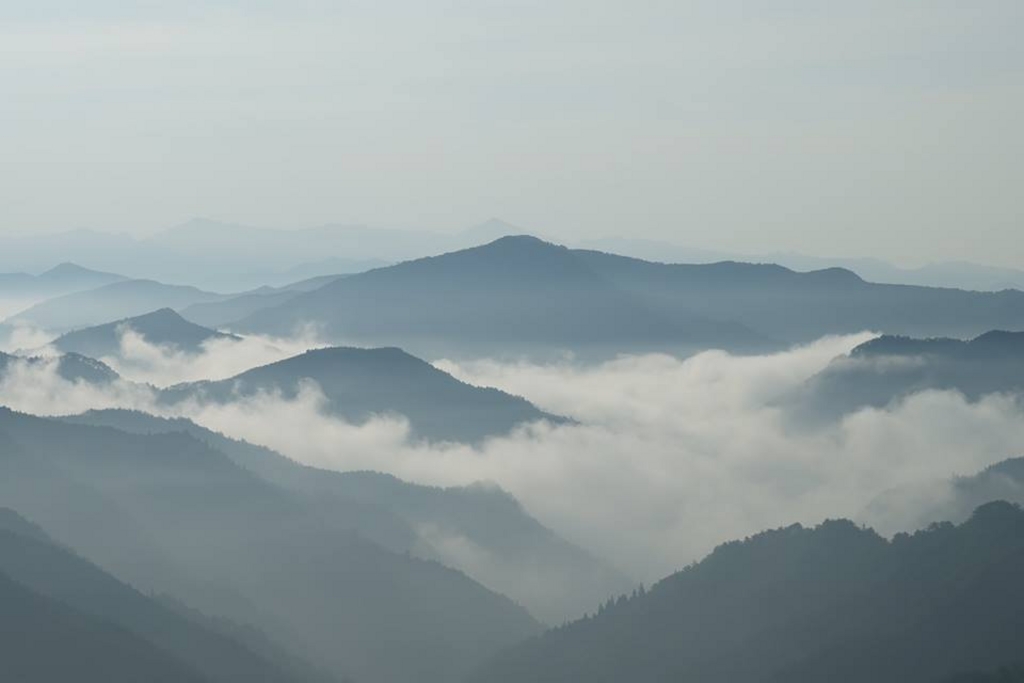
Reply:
x=685, y=452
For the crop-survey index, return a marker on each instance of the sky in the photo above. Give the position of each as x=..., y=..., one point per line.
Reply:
x=872, y=128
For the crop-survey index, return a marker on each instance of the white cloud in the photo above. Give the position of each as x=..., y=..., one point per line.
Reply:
x=222, y=357
x=670, y=457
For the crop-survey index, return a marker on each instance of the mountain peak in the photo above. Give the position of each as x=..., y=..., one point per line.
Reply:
x=160, y=315
x=66, y=268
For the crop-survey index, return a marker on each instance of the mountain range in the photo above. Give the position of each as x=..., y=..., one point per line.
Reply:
x=168, y=514
x=508, y=550
x=521, y=295
x=123, y=299
x=836, y=602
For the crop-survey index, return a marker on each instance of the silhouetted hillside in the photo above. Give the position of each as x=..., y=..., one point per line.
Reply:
x=362, y=383
x=799, y=307
x=512, y=552
x=163, y=328
x=171, y=515
x=72, y=367
x=889, y=368
x=514, y=294
x=61, y=279
x=519, y=294
x=45, y=641
x=836, y=603
x=914, y=506
x=30, y=558
x=1004, y=674
x=112, y=302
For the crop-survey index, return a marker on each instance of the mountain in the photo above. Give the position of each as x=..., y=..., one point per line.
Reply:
x=514, y=295
x=797, y=307
x=169, y=514
x=836, y=603
x=111, y=302
x=18, y=291
x=914, y=506
x=223, y=313
x=955, y=274
x=362, y=383
x=890, y=368
x=44, y=641
x=64, y=278
x=479, y=530
x=522, y=295
x=143, y=627
x=72, y=367
x=163, y=328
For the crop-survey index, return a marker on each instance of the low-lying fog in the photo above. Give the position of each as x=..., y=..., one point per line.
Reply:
x=667, y=457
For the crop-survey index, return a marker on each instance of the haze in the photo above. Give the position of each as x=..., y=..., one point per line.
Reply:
x=884, y=129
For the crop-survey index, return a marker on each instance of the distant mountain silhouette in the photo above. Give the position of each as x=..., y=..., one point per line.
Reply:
x=890, y=368
x=163, y=328
x=111, y=302
x=232, y=309
x=955, y=274
x=799, y=307
x=513, y=553
x=515, y=294
x=65, y=278
x=522, y=295
x=835, y=603
x=169, y=514
x=362, y=383
x=151, y=639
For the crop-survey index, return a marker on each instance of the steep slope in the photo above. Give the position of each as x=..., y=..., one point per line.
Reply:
x=481, y=531
x=163, y=328
x=30, y=558
x=835, y=603
x=111, y=302
x=229, y=311
x=224, y=313
x=516, y=294
x=361, y=383
x=890, y=368
x=44, y=641
x=169, y=514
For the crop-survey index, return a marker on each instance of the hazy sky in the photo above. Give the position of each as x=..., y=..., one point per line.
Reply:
x=889, y=128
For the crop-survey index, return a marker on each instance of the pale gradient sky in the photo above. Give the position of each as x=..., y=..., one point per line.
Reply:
x=888, y=128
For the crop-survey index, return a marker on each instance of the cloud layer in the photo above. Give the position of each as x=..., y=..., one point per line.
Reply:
x=669, y=456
